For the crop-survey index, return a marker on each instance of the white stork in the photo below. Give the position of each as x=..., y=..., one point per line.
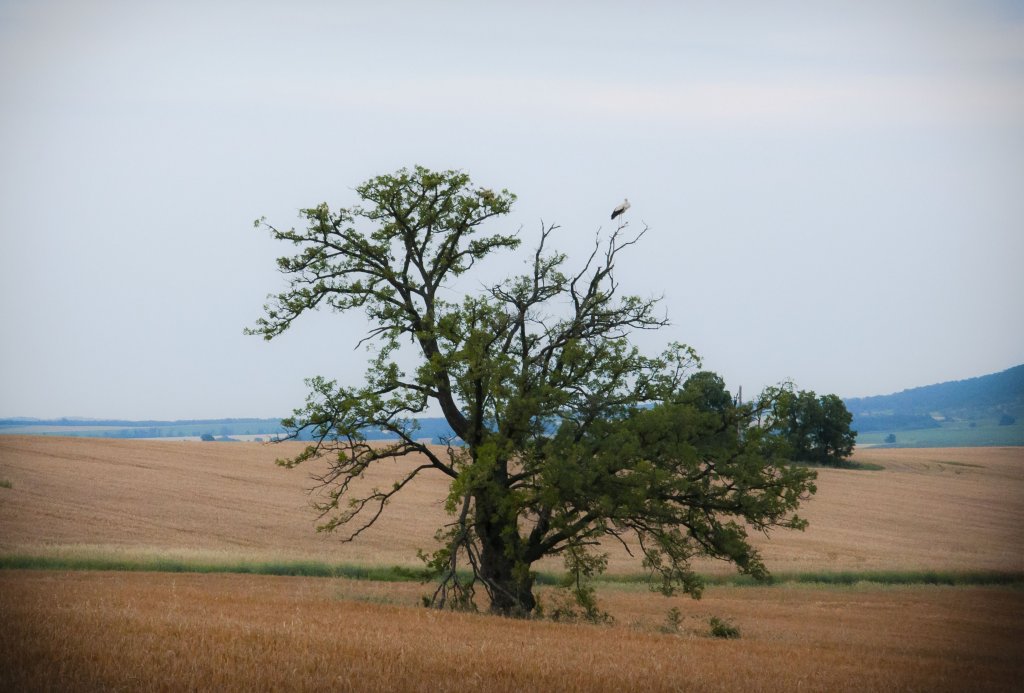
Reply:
x=621, y=208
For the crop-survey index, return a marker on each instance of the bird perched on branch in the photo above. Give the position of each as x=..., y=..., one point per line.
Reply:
x=621, y=208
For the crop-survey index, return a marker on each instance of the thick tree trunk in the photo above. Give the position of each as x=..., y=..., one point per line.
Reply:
x=502, y=564
x=511, y=584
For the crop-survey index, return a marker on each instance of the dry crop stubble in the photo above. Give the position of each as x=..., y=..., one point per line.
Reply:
x=203, y=499
x=941, y=509
x=84, y=631
x=938, y=509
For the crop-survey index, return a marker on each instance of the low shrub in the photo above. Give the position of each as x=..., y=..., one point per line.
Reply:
x=673, y=621
x=720, y=628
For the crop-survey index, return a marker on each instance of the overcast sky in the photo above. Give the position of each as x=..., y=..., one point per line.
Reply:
x=835, y=191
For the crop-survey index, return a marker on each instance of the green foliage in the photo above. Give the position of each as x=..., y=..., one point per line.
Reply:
x=816, y=429
x=890, y=439
x=721, y=628
x=673, y=621
x=564, y=432
x=577, y=605
x=5, y=483
x=576, y=599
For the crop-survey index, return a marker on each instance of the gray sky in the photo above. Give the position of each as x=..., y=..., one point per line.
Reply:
x=835, y=190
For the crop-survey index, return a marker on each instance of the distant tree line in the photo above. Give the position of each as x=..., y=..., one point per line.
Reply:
x=870, y=423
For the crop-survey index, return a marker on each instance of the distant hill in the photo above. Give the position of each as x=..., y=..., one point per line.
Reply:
x=975, y=398
x=436, y=429
x=987, y=410
x=121, y=428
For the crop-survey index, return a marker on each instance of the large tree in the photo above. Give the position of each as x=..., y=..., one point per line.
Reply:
x=565, y=433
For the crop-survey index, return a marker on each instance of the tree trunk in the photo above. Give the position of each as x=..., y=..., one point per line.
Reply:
x=501, y=561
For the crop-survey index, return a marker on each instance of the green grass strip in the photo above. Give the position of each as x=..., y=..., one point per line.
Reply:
x=880, y=577
x=405, y=574
x=173, y=565
x=847, y=578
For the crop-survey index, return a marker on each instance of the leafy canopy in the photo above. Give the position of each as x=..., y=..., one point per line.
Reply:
x=816, y=429
x=566, y=435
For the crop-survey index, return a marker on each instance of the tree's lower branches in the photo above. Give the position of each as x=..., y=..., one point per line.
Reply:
x=375, y=501
x=460, y=542
x=701, y=513
x=338, y=419
x=452, y=591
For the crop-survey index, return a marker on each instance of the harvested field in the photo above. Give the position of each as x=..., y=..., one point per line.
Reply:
x=91, y=631
x=939, y=509
x=949, y=510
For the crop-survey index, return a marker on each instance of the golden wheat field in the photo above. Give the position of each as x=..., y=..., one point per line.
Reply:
x=949, y=509
x=115, y=631
x=953, y=509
